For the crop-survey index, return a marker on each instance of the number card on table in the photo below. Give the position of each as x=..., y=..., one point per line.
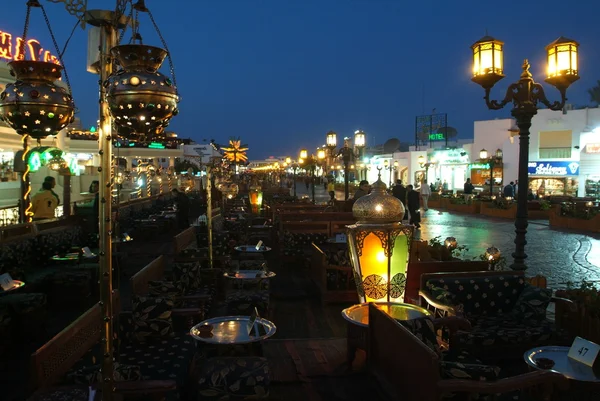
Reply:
x=584, y=351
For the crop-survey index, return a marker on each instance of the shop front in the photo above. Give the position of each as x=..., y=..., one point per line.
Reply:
x=554, y=177
x=450, y=170
x=481, y=173
x=590, y=171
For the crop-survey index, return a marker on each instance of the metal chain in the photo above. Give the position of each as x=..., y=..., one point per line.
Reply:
x=164, y=43
x=25, y=30
x=57, y=50
x=125, y=28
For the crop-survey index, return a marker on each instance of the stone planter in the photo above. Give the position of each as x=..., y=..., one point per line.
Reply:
x=472, y=208
x=556, y=220
x=438, y=203
x=488, y=210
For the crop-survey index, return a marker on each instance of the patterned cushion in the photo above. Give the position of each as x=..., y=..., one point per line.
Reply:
x=338, y=257
x=533, y=302
x=152, y=317
x=21, y=304
x=160, y=359
x=224, y=378
x=65, y=394
x=482, y=296
x=188, y=274
x=92, y=374
x=506, y=330
x=166, y=288
x=424, y=330
x=469, y=371
x=242, y=303
x=441, y=295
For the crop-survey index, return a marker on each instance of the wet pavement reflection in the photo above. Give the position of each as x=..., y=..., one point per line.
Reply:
x=560, y=256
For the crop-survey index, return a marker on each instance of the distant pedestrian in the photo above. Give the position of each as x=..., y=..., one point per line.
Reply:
x=509, y=190
x=412, y=202
x=468, y=190
x=331, y=190
x=182, y=211
x=363, y=189
x=425, y=193
x=399, y=191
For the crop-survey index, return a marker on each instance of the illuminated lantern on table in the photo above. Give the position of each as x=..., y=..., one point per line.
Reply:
x=141, y=98
x=256, y=197
x=34, y=104
x=379, y=246
x=229, y=190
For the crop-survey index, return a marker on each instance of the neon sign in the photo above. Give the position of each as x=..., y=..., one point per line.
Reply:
x=437, y=136
x=35, y=50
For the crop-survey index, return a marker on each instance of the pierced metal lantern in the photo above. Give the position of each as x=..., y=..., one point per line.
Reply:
x=379, y=246
x=256, y=197
x=141, y=99
x=34, y=104
x=451, y=243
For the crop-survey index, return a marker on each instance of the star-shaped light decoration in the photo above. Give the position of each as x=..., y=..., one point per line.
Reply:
x=236, y=152
x=37, y=121
x=27, y=114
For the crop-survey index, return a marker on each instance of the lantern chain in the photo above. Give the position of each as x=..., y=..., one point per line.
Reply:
x=26, y=27
x=129, y=18
x=164, y=43
x=58, y=52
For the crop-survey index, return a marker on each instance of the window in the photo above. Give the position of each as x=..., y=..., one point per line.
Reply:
x=555, y=144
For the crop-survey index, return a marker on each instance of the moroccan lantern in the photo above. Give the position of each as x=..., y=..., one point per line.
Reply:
x=34, y=104
x=141, y=99
x=379, y=246
x=256, y=197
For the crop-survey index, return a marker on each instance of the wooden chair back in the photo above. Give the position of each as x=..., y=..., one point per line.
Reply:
x=184, y=239
x=475, y=275
x=390, y=346
x=54, y=359
x=154, y=270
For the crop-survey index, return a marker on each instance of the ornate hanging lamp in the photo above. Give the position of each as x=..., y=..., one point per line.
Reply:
x=379, y=246
x=35, y=104
x=142, y=100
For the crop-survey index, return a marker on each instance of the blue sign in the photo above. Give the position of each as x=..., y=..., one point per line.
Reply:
x=555, y=169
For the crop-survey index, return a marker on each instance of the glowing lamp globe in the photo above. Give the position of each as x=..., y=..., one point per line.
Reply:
x=141, y=99
x=256, y=197
x=563, y=67
x=379, y=246
x=488, y=61
x=35, y=104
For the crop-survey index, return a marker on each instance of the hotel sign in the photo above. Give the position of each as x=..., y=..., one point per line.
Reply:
x=13, y=48
x=557, y=169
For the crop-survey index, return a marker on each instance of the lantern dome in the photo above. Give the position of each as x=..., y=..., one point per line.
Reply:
x=378, y=206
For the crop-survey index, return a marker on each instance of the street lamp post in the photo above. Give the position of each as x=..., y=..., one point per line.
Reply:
x=311, y=164
x=525, y=94
x=347, y=154
x=426, y=165
x=492, y=161
x=390, y=168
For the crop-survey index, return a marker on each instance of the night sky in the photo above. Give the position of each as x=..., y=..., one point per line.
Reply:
x=281, y=73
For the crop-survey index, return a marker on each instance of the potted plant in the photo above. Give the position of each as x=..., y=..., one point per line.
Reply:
x=584, y=319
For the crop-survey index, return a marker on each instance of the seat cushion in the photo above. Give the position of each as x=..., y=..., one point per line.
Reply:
x=91, y=375
x=507, y=330
x=224, y=378
x=152, y=317
x=160, y=359
x=532, y=303
x=243, y=302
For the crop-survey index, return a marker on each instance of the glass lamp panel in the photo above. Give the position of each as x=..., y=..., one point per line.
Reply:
x=574, y=56
x=483, y=154
x=254, y=198
x=498, y=58
x=552, y=62
x=563, y=60
x=259, y=198
x=374, y=272
x=303, y=154
x=399, y=265
x=331, y=139
x=476, y=63
x=359, y=139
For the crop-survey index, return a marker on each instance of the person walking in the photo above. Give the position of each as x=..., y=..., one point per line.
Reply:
x=468, y=191
x=182, y=211
x=425, y=193
x=509, y=190
x=44, y=203
x=399, y=191
x=412, y=202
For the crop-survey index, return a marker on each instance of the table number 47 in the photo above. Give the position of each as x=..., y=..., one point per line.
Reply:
x=584, y=351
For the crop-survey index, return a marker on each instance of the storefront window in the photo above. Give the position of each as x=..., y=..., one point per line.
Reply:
x=555, y=153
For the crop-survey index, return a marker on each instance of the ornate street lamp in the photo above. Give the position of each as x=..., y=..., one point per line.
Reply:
x=390, y=168
x=359, y=142
x=492, y=161
x=379, y=246
x=525, y=94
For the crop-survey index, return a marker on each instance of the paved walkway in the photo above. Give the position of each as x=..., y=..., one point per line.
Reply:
x=561, y=256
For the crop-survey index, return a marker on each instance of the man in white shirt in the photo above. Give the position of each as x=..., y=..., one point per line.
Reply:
x=425, y=192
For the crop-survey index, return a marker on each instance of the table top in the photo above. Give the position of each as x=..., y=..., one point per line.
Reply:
x=233, y=330
x=259, y=226
x=68, y=256
x=562, y=363
x=252, y=249
x=359, y=314
x=16, y=284
x=250, y=274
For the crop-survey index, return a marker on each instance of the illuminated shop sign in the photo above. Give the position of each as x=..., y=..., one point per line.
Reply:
x=11, y=48
x=437, y=136
x=451, y=156
x=558, y=169
x=592, y=148
x=479, y=166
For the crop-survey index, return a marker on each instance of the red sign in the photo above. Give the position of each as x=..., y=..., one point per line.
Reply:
x=14, y=49
x=592, y=148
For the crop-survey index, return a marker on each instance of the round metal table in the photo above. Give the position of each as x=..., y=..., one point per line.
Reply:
x=228, y=330
x=357, y=317
x=562, y=363
x=250, y=275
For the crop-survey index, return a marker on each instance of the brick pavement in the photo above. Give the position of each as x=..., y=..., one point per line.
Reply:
x=560, y=256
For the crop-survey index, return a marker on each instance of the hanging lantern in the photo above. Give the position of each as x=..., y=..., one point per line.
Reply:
x=229, y=190
x=379, y=246
x=256, y=197
x=141, y=99
x=451, y=243
x=34, y=104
